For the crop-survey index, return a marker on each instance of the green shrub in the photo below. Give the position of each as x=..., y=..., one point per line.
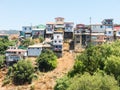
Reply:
x=47, y=61
x=98, y=81
x=21, y=72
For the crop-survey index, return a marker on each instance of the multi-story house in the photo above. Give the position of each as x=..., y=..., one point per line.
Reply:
x=13, y=54
x=26, y=31
x=79, y=37
x=4, y=36
x=49, y=30
x=59, y=24
x=58, y=42
x=38, y=31
x=109, y=32
x=69, y=29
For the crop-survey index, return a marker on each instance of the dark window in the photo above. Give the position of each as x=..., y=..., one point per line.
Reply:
x=19, y=52
x=77, y=36
x=77, y=41
x=119, y=32
x=55, y=41
x=59, y=41
x=101, y=26
x=109, y=32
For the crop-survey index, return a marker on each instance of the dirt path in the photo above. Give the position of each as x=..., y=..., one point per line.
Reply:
x=48, y=80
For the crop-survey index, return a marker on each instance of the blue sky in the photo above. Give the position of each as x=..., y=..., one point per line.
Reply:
x=17, y=13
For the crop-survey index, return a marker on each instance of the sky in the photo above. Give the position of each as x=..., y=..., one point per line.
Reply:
x=17, y=13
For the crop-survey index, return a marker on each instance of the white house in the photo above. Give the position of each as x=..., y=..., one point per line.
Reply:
x=14, y=54
x=58, y=40
x=98, y=28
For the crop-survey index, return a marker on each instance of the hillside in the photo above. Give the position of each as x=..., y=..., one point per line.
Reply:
x=46, y=81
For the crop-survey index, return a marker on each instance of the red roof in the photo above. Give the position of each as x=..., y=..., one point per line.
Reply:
x=117, y=28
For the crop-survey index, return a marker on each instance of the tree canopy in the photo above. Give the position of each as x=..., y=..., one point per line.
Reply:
x=47, y=60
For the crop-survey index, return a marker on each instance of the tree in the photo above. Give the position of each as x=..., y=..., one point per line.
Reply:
x=112, y=66
x=98, y=81
x=47, y=61
x=21, y=72
x=27, y=42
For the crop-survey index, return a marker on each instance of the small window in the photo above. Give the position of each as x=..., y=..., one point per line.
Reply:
x=19, y=52
x=55, y=41
x=59, y=41
x=109, y=32
x=101, y=26
x=57, y=36
x=25, y=28
x=119, y=32
x=77, y=36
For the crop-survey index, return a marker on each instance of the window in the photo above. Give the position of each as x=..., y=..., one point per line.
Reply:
x=77, y=36
x=101, y=26
x=19, y=52
x=77, y=41
x=109, y=32
x=118, y=32
x=55, y=41
x=59, y=41
x=57, y=36
x=25, y=28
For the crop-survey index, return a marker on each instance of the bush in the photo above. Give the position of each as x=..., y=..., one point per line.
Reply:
x=47, y=61
x=98, y=81
x=21, y=72
x=2, y=60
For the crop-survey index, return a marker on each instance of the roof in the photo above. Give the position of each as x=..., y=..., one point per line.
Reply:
x=39, y=27
x=39, y=45
x=59, y=22
x=69, y=22
x=15, y=50
x=117, y=28
x=35, y=46
x=50, y=23
x=59, y=17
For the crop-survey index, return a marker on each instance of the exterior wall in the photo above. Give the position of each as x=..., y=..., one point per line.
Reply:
x=37, y=33
x=34, y=51
x=77, y=42
x=69, y=27
x=12, y=58
x=118, y=33
x=27, y=30
x=58, y=39
x=98, y=28
x=109, y=32
x=49, y=29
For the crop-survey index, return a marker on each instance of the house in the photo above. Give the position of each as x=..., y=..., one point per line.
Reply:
x=117, y=31
x=13, y=54
x=49, y=30
x=38, y=31
x=26, y=32
x=69, y=29
x=58, y=41
x=81, y=36
x=36, y=50
x=109, y=32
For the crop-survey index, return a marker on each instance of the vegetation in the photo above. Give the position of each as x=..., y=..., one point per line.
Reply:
x=22, y=72
x=27, y=42
x=2, y=61
x=98, y=81
x=4, y=43
x=47, y=61
x=105, y=58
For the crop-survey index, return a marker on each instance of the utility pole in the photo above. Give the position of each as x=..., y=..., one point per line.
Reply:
x=90, y=32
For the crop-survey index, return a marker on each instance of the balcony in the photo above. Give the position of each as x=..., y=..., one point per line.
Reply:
x=59, y=26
